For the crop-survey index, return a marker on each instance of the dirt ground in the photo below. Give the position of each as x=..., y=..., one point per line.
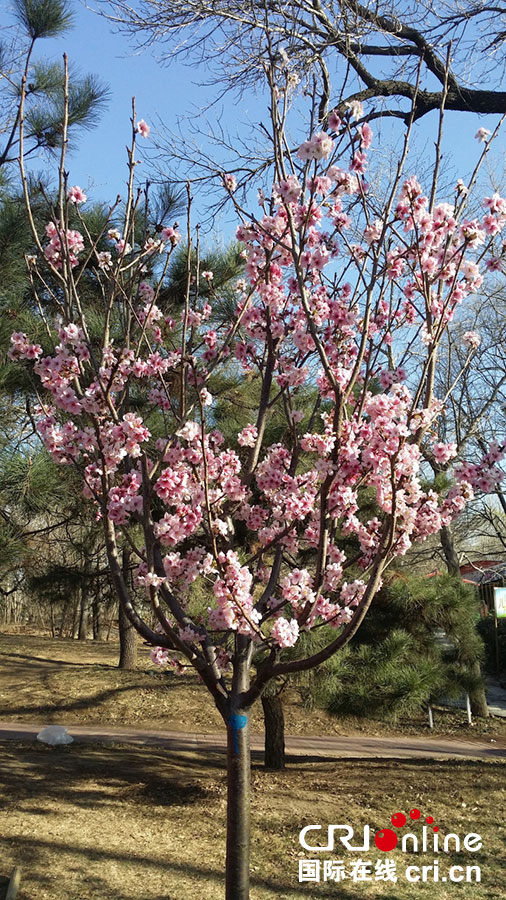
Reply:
x=89, y=822
x=96, y=823
x=77, y=683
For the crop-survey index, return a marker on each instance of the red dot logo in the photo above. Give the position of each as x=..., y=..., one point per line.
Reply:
x=429, y=820
x=414, y=814
x=398, y=820
x=386, y=840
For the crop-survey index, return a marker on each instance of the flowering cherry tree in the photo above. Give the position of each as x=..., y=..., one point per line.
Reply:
x=344, y=300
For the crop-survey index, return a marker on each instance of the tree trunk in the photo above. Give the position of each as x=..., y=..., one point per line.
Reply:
x=238, y=776
x=477, y=697
x=97, y=606
x=127, y=642
x=83, y=616
x=274, y=721
x=451, y=557
x=98, y=627
x=75, y=619
x=238, y=807
x=127, y=632
x=62, y=619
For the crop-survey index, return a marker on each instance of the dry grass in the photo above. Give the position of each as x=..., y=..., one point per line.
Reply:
x=76, y=683
x=95, y=823
x=115, y=823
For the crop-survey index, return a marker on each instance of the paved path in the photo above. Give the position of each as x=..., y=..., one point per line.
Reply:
x=356, y=747
x=496, y=698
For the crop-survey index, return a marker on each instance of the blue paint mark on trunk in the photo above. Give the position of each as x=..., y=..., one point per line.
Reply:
x=237, y=723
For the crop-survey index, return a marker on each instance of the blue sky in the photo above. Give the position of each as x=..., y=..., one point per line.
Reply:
x=171, y=91
x=160, y=92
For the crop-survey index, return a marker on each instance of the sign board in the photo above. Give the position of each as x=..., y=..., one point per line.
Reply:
x=500, y=602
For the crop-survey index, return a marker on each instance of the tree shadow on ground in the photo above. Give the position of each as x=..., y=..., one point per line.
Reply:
x=59, y=707
x=32, y=851
x=85, y=775
x=52, y=661
x=98, y=777
x=488, y=756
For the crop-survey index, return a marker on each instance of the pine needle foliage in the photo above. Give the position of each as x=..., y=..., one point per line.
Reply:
x=417, y=646
x=43, y=18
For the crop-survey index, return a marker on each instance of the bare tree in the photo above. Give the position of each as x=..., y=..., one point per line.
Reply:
x=379, y=51
x=475, y=413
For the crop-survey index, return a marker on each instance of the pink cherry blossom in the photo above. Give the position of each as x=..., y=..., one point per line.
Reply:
x=285, y=632
x=76, y=195
x=334, y=121
x=471, y=339
x=366, y=135
x=248, y=436
x=318, y=147
x=159, y=656
x=143, y=129
x=356, y=108
x=482, y=134
x=104, y=260
x=172, y=235
x=444, y=452
x=230, y=182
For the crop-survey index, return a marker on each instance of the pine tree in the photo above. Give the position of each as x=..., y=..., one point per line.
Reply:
x=419, y=645
x=44, y=84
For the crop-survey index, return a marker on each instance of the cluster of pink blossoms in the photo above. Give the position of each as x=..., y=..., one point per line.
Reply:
x=22, y=348
x=361, y=284
x=124, y=499
x=235, y=608
x=486, y=475
x=63, y=243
